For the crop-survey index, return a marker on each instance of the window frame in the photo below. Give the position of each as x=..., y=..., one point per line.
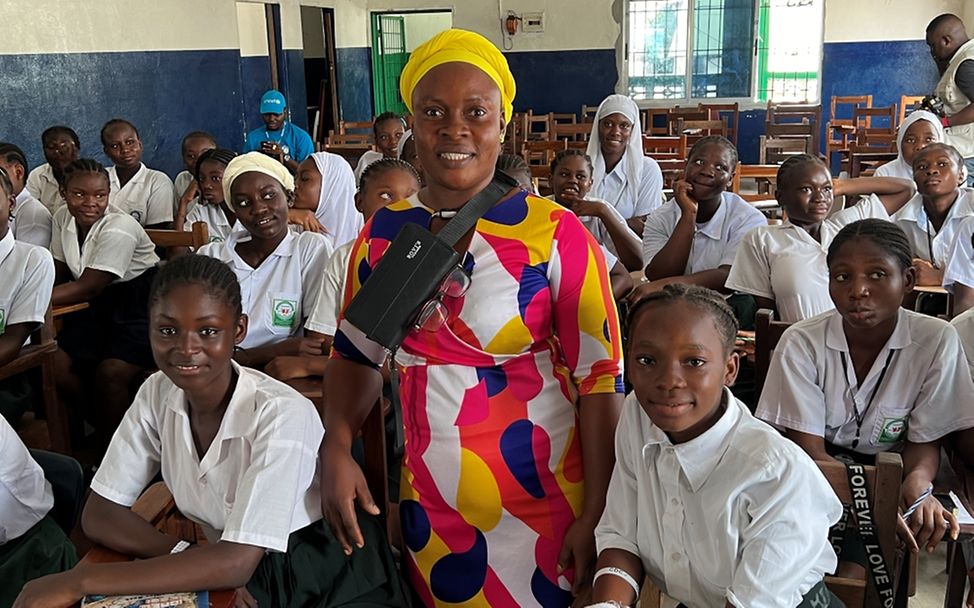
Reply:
x=744, y=103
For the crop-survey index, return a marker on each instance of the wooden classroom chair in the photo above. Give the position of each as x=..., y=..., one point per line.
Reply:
x=776, y=150
x=716, y=111
x=562, y=118
x=665, y=147
x=883, y=482
x=908, y=103
x=694, y=130
x=349, y=139
x=765, y=178
x=588, y=113
x=767, y=333
x=514, y=133
x=198, y=236
x=538, y=127
x=571, y=131
x=839, y=132
x=542, y=152
x=795, y=120
x=39, y=354
x=356, y=127
x=655, y=121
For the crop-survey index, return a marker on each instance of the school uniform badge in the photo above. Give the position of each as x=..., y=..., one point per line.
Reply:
x=283, y=312
x=892, y=430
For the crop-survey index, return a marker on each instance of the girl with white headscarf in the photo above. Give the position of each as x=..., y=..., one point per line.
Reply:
x=919, y=129
x=325, y=186
x=623, y=176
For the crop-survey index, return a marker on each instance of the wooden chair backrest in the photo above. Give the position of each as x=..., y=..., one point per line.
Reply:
x=195, y=238
x=588, y=113
x=538, y=127
x=760, y=173
x=731, y=111
x=908, y=103
x=562, y=118
x=875, y=118
x=349, y=139
x=767, y=333
x=571, y=131
x=670, y=147
x=773, y=150
x=705, y=127
x=347, y=127
x=883, y=484
x=650, y=124
x=855, y=101
x=542, y=152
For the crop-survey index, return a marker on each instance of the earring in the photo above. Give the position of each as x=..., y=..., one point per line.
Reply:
x=502, y=137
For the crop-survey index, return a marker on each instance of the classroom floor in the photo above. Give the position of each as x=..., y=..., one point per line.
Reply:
x=931, y=579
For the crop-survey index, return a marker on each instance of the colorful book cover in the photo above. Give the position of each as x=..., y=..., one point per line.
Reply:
x=168, y=600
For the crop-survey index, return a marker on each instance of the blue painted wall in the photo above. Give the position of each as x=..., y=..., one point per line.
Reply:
x=165, y=94
x=255, y=77
x=354, y=78
x=296, y=93
x=562, y=81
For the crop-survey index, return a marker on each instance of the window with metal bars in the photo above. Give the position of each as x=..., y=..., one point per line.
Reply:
x=731, y=49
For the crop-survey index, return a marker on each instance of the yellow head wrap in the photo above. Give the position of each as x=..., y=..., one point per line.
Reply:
x=464, y=47
x=257, y=162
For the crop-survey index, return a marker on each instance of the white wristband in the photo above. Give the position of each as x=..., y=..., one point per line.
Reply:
x=606, y=605
x=621, y=574
x=180, y=547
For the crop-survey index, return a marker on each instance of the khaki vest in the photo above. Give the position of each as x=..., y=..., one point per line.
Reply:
x=961, y=136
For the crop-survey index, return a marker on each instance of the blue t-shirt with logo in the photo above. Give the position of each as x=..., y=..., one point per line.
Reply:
x=295, y=140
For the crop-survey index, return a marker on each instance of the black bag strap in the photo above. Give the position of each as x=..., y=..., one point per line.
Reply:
x=476, y=207
x=863, y=513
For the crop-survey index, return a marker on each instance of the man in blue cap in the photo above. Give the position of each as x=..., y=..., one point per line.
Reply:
x=279, y=138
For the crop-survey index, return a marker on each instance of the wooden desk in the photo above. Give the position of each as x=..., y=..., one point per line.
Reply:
x=157, y=507
x=937, y=289
x=60, y=311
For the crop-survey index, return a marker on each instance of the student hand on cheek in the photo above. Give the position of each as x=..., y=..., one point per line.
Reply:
x=578, y=553
x=683, y=193
x=53, y=591
x=927, y=273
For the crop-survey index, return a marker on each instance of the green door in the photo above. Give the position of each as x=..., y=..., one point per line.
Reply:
x=389, y=56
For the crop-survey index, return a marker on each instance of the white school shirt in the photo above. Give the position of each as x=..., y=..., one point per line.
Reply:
x=257, y=481
x=147, y=196
x=739, y=514
x=926, y=392
x=960, y=262
x=44, y=187
x=612, y=189
x=924, y=238
x=964, y=324
x=25, y=495
x=785, y=264
x=215, y=220
x=714, y=242
x=179, y=185
x=331, y=294
x=31, y=222
x=369, y=157
x=278, y=294
x=26, y=282
x=116, y=244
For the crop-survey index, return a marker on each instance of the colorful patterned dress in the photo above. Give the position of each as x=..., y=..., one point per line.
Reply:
x=492, y=472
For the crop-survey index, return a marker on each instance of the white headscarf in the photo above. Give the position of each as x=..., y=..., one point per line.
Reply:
x=402, y=142
x=633, y=156
x=899, y=167
x=256, y=162
x=336, y=203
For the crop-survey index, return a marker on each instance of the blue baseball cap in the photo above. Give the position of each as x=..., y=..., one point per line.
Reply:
x=272, y=103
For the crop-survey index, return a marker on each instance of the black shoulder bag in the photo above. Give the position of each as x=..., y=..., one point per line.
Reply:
x=414, y=267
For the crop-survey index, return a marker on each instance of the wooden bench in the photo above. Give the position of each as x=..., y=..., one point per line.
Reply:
x=196, y=237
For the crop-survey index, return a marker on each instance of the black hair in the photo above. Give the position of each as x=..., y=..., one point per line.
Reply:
x=563, y=154
x=214, y=276
x=196, y=135
x=220, y=155
x=60, y=130
x=719, y=140
x=512, y=164
x=83, y=165
x=887, y=235
x=12, y=153
x=115, y=122
x=383, y=165
x=949, y=149
x=941, y=20
x=381, y=118
x=5, y=183
x=793, y=163
x=706, y=300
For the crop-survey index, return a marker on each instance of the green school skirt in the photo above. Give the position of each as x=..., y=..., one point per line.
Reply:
x=42, y=550
x=315, y=572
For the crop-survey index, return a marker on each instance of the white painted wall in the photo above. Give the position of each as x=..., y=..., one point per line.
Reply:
x=877, y=20
x=252, y=29
x=420, y=27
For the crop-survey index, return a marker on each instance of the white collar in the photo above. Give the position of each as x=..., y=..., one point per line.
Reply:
x=284, y=249
x=836, y=340
x=700, y=456
x=138, y=177
x=714, y=227
x=7, y=244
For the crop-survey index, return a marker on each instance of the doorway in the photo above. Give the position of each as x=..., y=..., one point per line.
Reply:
x=394, y=36
x=318, y=31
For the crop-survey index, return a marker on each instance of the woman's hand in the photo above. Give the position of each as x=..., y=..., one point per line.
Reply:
x=927, y=273
x=306, y=219
x=578, y=553
x=682, y=192
x=342, y=484
x=929, y=523
x=243, y=599
x=53, y=591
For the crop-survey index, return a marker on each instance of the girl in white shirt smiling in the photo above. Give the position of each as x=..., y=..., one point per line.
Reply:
x=238, y=450
x=713, y=505
x=783, y=266
x=872, y=376
x=280, y=272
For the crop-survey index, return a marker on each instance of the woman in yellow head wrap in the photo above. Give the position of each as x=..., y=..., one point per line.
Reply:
x=511, y=391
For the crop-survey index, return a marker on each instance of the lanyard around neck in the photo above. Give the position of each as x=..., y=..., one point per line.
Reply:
x=855, y=409
x=267, y=134
x=933, y=260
